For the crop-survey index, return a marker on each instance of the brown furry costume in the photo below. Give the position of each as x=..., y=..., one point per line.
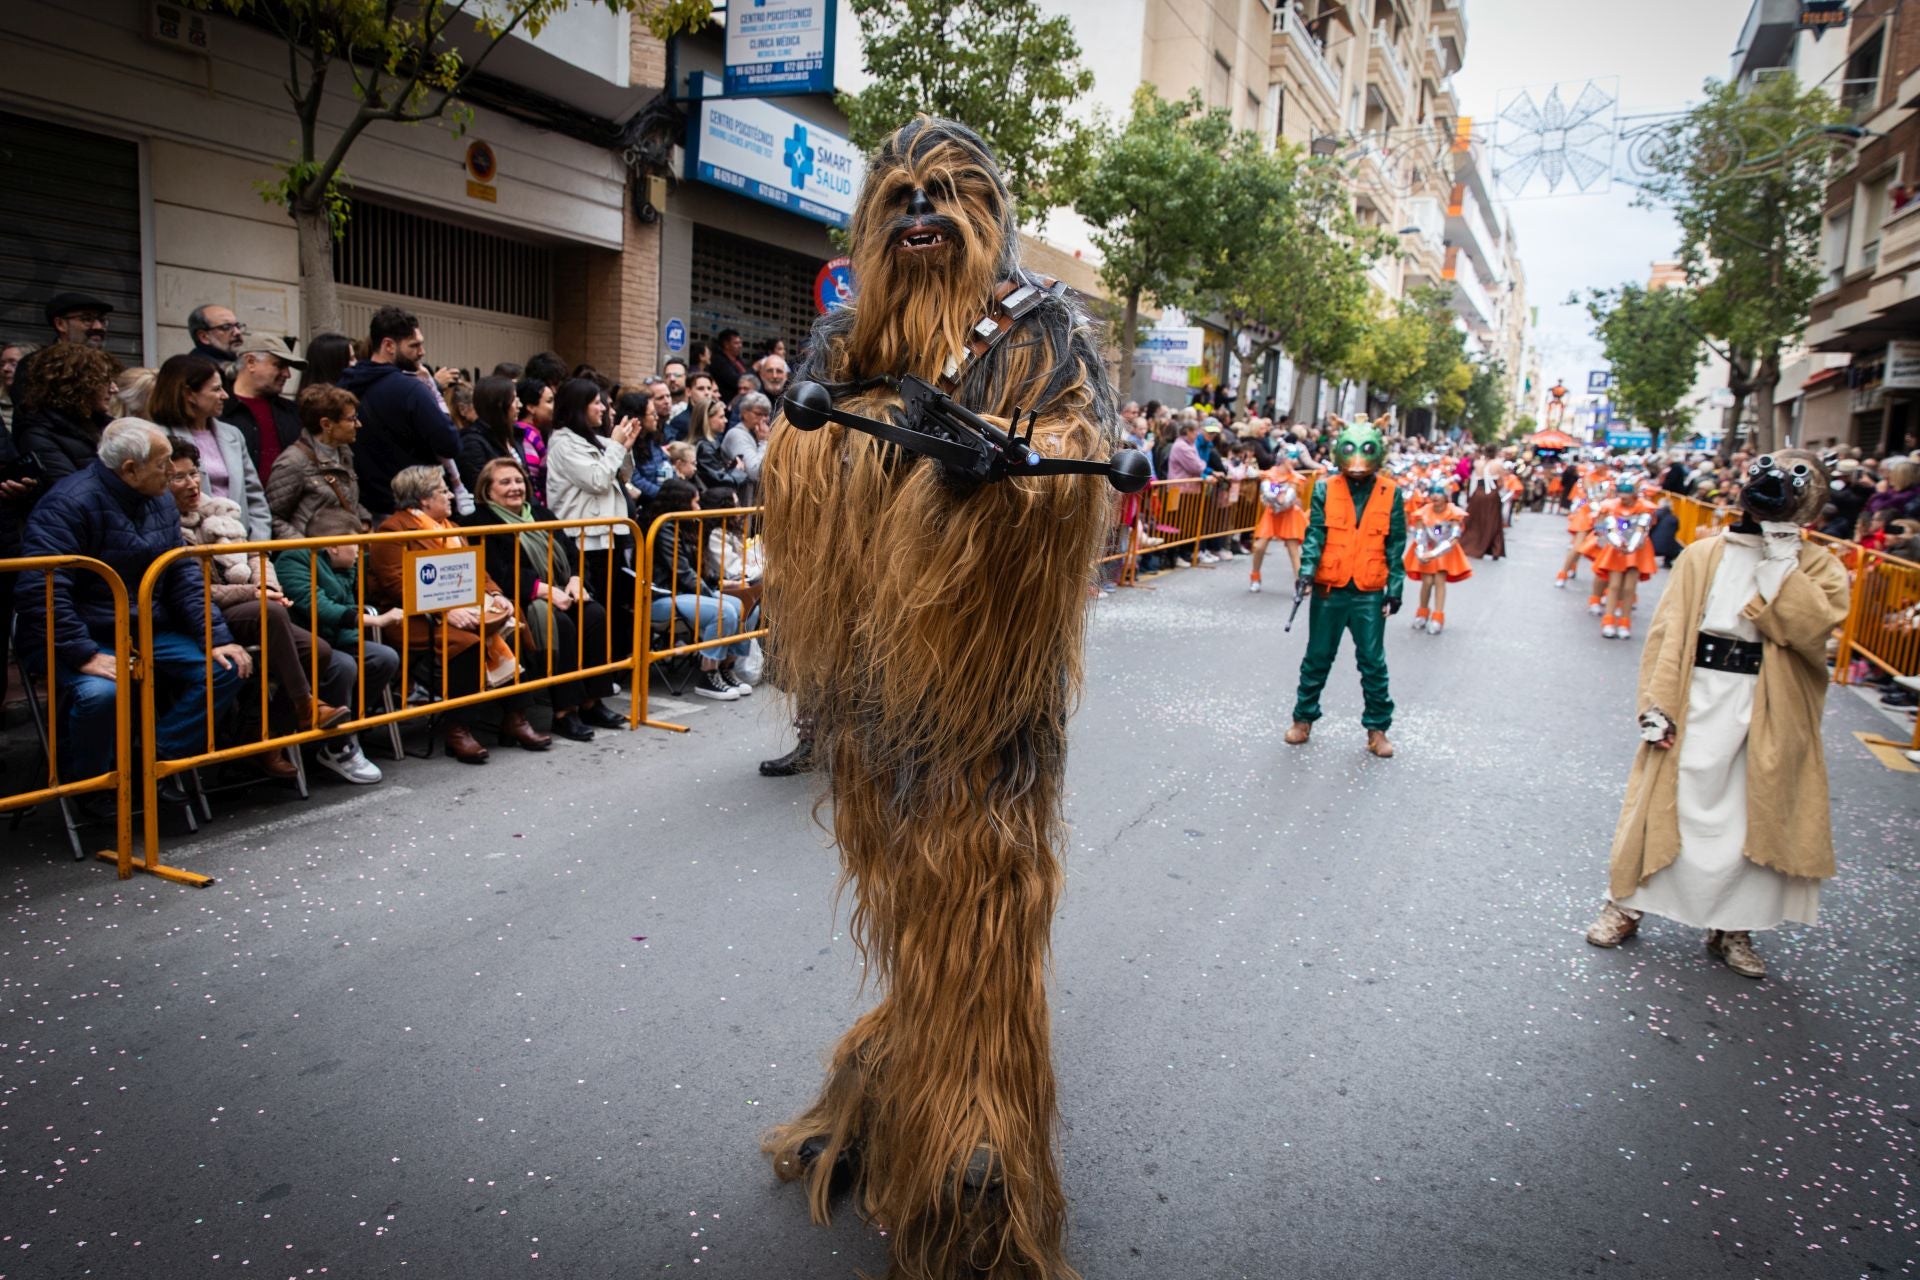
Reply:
x=933, y=631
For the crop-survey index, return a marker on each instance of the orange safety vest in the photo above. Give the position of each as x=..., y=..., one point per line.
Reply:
x=1355, y=550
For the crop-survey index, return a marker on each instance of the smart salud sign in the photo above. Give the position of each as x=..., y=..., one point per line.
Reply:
x=774, y=156
x=779, y=46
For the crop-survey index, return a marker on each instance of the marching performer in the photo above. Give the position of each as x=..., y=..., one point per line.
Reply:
x=1356, y=536
x=1434, y=555
x=1623, y=555
x=1282, y=517
x=1725, y=826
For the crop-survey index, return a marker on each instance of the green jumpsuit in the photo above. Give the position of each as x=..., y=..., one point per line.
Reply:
x=1348, y=608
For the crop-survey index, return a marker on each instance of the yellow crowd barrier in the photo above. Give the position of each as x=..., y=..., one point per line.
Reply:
x=1170, y=515
x=118, y=779
x=1697, y=517
x=447, y=562
x=682, y=638
x=1883, y=624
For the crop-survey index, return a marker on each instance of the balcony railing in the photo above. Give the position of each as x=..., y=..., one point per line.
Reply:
x=1383, y=42
x=1287, y=22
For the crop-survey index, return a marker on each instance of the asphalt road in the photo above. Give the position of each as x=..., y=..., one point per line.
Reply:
x=1317, y=1014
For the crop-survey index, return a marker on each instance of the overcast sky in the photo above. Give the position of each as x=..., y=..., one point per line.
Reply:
x=1661, y=52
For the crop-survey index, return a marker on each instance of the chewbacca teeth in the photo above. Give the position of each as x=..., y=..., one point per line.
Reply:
x=922, y=240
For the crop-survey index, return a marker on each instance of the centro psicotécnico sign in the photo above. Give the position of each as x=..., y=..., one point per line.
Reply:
x=779, y=46
x=766, y=154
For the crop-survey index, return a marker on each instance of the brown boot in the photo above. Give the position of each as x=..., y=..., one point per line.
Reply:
x=462, y=745
x=1613, y=926
x=516, y=732
x=1377, y=743
x=1735, y=947
x=1301, y=731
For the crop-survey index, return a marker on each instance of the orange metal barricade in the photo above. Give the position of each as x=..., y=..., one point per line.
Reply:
x=1176, y=514
x=119, y=779
x=154, y=769
x=1883, y=624
x=699, y=526
x=1697, y=517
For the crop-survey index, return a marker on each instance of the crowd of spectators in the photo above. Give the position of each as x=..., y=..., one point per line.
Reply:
x=125, y=465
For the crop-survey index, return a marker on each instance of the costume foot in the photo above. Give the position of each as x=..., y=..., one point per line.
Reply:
x=798, y=760
x=1735, y=947
x=1377, y=744
x=1300, y=732
x=1613, y=926
x=846, y=1165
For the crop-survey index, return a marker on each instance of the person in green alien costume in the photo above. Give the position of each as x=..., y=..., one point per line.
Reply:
x=1356, y=536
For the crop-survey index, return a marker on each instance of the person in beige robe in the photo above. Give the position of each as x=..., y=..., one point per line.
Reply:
x=1725, y=824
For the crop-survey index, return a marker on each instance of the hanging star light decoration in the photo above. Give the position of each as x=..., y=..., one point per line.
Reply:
x=1542, y=142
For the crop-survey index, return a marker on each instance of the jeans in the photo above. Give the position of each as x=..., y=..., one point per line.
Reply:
x=180, y=725
x=714, y=616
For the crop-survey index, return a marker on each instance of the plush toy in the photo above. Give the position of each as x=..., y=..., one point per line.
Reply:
x=927, y=613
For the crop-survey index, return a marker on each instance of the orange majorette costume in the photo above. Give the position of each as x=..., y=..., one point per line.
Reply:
x=1623, y=554
x=1433, y=554
x=1284, y=494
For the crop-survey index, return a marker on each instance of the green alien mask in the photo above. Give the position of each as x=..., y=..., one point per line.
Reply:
x=1359, y=449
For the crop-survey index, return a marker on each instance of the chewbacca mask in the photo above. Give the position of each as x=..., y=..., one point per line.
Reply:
x=933, y=632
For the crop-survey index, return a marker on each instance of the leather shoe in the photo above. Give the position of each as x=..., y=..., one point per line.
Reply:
x=276, y=764
x=1299, y=733
x=319, y=715
x=1377, y=744
x=516, y=732
x=600, y=717
x=462, y=745
x=571, y=727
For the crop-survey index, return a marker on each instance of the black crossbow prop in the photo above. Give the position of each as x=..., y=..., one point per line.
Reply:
x=959, y=439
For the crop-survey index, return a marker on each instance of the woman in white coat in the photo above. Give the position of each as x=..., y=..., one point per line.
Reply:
x=587, y=474
x=186, y=401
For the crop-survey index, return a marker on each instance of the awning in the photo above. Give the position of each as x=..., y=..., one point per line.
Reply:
x=1551, y=439
x=1824, y=378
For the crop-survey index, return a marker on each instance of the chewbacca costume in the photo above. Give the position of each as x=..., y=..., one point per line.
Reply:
x=932, y=629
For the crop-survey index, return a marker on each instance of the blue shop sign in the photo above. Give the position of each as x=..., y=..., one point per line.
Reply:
x=774, y=156
x=779, y=46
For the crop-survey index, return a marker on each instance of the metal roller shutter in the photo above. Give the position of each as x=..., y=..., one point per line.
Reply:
x=762, y=291
x=70, y=222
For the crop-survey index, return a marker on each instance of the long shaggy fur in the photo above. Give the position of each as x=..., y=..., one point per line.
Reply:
x=934, y=637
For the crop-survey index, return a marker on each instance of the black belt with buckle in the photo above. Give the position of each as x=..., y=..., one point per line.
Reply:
x=1722, y=653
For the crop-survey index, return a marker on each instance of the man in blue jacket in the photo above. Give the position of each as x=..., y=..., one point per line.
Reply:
x=402, y=423
x=117, y=510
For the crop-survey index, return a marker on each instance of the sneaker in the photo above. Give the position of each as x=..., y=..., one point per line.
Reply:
x=1613, y=927
x=1253, y=584
x=1207, y=557
x=710, y=684
x=1560, y=581
x=1735, y=947
x=1622, y=631
x=735, y=683
x=1434, y=626
x=1420, y=620
x=1595, y=608
x=349, y=761
x=1231, y=551
x=1607, y=631
x=1183, y=562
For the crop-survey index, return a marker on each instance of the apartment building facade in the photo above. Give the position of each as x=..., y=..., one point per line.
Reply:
x=1869, y=305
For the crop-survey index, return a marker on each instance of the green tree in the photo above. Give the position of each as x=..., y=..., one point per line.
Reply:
x=997, y=66
x=402, y=65
x=1152, y=198
x=1414, y=353
x=1293, y=272
x=1655, y=350
x=1483, y=401
x=1745, y=174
